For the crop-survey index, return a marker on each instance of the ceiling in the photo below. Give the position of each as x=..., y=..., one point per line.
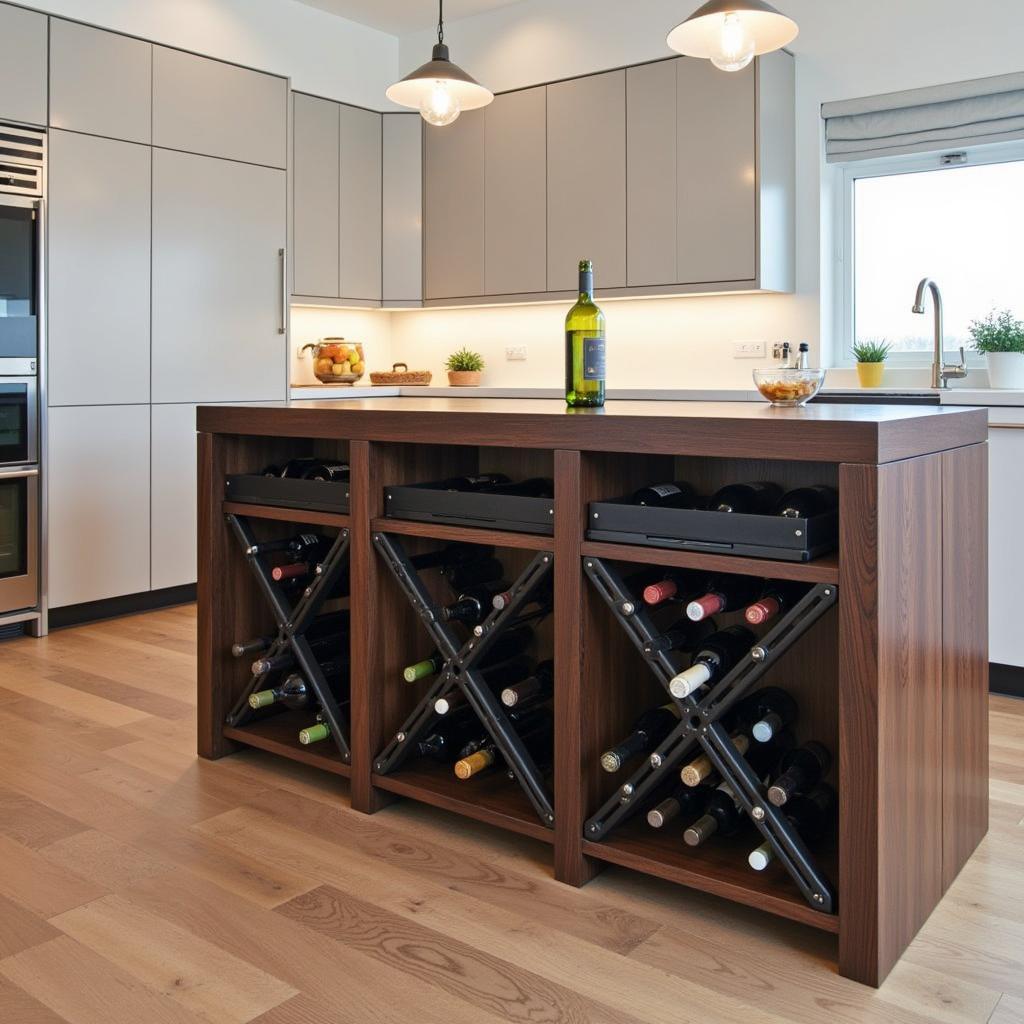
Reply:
x=401, y=16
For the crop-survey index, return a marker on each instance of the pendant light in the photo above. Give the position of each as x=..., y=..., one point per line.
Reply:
x=439, y=89
x=730, y=33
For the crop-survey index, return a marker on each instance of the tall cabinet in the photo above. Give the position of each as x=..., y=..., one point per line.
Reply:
x=167, y=194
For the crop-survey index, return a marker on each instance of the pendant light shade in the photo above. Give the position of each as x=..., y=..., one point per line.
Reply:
x=730, y=33
x=439, y=89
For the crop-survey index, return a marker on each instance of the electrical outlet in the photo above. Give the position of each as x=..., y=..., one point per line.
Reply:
x=515, y=352
x=748, y=350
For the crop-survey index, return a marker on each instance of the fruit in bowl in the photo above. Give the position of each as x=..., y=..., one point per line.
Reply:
x=788, y=387
x=337, y=361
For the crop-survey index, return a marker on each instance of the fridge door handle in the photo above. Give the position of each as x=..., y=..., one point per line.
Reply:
x=283, y=257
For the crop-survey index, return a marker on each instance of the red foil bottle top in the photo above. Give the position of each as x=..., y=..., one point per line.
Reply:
x=702, y=607
x=660, y=591
x=762, y=611
x=287, y=572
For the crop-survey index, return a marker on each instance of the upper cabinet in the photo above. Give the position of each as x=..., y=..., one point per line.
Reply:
x=100, y=82
x=402, y=209
x=215, y=109
x=586, y=163
x=22, y=65
x=360, y=223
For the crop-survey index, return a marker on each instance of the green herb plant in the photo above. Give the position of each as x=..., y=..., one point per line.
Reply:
x=464, y=359
x=871, y=351
x=998, y=332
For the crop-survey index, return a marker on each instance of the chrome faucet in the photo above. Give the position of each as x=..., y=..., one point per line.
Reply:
x=942, y=372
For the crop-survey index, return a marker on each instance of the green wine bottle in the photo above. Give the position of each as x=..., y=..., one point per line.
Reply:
x=584, y=346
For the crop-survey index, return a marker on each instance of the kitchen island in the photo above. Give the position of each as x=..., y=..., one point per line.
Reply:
x=886, y=652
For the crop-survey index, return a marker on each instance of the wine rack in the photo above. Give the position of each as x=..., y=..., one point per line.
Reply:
x=461, y=672
x=700, y=726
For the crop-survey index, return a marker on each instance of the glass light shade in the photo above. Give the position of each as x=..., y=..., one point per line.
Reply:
x=439, y=90
x=730, y=33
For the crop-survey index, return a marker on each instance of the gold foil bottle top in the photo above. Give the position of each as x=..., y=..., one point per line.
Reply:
x=470, y=766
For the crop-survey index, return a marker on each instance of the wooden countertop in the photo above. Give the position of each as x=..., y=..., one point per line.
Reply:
x=822, y=432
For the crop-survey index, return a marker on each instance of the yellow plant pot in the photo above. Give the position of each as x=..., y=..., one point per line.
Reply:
x=870, y=374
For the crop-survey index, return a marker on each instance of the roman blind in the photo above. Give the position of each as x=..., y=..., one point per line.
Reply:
x=921, y=120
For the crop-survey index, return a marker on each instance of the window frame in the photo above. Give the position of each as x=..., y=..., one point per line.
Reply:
x=890, y=166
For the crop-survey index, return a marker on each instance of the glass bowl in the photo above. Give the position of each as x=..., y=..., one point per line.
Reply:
x=782, y=386
x=337, y=361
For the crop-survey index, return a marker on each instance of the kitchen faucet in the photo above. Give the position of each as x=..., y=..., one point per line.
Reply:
x=942, y=372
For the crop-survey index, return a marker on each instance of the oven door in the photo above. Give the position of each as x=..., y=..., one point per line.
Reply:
x=19, y=421
x=19, y=539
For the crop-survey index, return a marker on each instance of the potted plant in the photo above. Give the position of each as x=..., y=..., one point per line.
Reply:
x=870, y=356
x=464, y=368
x=1001, y=337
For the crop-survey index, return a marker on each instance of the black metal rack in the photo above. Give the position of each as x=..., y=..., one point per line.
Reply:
x=700, y=725
x=292, y=623
x=461, y=672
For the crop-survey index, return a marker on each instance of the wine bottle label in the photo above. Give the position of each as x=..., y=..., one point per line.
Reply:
x=702, y=607
x=593, y=359
x=660, y=591
x=761, y=611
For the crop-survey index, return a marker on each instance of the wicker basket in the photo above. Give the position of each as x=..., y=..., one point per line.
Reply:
x=400, y=376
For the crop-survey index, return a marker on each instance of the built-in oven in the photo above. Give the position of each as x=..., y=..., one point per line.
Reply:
x=19, y=538
x=19, y=421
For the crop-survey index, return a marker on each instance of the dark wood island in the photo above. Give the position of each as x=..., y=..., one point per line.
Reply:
x=889, y=667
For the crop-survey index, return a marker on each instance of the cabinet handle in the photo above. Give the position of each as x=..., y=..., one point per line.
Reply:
x=283, y=256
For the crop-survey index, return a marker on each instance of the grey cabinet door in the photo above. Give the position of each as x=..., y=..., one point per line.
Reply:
x=217, y=109
x=515, y=190
x=402, y=247
x=100, y=82
x=587, y=180
x=315, y=176
x=22, y=65
x=651, y=187
x=173, y=546
x=717, y=207
x=360, y=204
x=99, y=238
x=218, y=228
x=453, y=208
x=99, y=502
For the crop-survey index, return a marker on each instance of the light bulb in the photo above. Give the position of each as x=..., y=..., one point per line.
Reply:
x=439, y=106
x=735, y=46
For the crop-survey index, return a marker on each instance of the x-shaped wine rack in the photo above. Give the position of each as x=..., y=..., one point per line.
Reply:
x=292, y=623
x=700, y=725
x=461, y=671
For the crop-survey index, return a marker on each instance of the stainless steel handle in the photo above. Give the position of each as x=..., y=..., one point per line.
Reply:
x=18, y=474
x=283, y=256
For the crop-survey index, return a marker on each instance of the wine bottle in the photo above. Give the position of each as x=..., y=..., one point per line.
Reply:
x=315, y=733
x=801, y=769
x=480, y=482
x=536, y=737
x=585, y=346
x=542, y=596
x=333, y=471
x=684, y=636
x=716, y=657
x=474, y=604
x=804, y=502
x=752, y=499
x=701, y=768
x=429, y=666
x=812, y=816
x=511, y=642
x=762, y=758
x=674, y=494
x=451, y=555
x=536, y=687
x=294, y=469
x=722, y=816
x=647, y=732
x=240, y=648
x=449, y=736
x=683, y=801
x=769, y=710
x=535, y=487
x=723, y=594
x=294, y=692
x=776, y=597
x=496, y=677
x=637, y=583
x=676, y=584
x=472, y=574
x=322, y=648
x=301, y=546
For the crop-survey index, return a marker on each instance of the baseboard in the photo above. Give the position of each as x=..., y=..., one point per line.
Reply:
x=113, y=607
x=1006, y=679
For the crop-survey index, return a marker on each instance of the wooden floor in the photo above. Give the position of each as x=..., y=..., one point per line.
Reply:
x=141, y=885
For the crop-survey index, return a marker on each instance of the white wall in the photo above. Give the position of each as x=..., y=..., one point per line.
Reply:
x=846, y=48
x=321, y=52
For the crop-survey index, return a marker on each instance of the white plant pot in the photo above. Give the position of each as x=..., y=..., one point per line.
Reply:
x=1006, y=370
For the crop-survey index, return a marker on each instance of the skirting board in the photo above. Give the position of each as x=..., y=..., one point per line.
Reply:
x=112, y=607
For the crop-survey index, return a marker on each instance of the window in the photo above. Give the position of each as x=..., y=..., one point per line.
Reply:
x=911, y=217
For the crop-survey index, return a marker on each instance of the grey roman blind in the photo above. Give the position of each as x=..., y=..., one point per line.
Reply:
x=920, y=120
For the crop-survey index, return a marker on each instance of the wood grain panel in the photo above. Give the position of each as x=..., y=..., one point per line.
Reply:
x=965, y=656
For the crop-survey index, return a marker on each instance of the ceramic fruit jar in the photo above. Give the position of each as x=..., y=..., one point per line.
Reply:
x=337, y=361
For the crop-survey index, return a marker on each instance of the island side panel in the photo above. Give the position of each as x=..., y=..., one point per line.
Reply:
x=965, y=657
x=890, y=710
